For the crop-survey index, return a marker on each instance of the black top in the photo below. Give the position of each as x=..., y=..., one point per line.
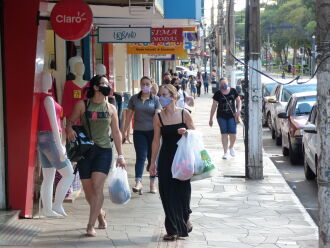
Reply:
x=224, y=109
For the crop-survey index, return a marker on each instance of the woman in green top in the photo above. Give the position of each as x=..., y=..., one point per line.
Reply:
x=94, y=169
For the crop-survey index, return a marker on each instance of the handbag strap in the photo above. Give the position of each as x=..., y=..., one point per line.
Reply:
x=86, y=117
x=228, y=103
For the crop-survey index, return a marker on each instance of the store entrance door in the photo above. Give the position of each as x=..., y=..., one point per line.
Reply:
x=2, y=139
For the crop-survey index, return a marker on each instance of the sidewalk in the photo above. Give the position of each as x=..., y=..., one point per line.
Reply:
x=228, y=210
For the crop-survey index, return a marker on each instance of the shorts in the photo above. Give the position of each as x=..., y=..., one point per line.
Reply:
x=48, y=153
x=99, y=160
x=227, y=126
x=193, y=89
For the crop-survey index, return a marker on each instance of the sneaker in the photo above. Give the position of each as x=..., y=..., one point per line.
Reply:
x=232, y=152
x=225, y=156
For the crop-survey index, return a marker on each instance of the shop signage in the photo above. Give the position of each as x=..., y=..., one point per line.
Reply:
x=124, y=34
x=71, y=19
x=158, y=56
x=167, y=35
x=155, y=48
x=188, y=45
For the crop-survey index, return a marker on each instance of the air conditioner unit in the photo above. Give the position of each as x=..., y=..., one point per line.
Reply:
x=141, y=7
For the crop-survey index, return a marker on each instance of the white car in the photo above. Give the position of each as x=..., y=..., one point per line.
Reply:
x=183, y=69
x=311, y=145
x=278, y=102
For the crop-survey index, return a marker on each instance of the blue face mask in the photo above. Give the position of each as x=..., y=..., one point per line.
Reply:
x=224, y=87
x=165, y=101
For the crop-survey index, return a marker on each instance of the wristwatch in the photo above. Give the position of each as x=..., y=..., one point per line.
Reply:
x=120, y=156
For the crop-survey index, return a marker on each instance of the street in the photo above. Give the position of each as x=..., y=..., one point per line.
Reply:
x=305, y=190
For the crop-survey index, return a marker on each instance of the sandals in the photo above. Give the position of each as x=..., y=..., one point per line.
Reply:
x=90, y=231
x=102, y=221
x=169, y=237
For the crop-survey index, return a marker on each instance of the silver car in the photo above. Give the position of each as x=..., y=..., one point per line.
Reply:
x=311, y=145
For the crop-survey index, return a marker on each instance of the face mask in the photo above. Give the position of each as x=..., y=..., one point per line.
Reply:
x=104, y=90
x=178, y=87
x=224, y=87
x=165, y=101
x=146, y=89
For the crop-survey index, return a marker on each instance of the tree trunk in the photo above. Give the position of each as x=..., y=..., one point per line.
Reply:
x=323, y=128
x=294, y=56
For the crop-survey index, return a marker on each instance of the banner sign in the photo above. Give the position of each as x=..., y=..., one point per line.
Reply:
x=167, y=35
x=188, y=45
x=158, y=56
x=155, y=48
x=124, y=34
x=71, y=19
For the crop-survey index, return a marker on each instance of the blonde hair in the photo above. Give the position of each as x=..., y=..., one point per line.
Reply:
x=155, y=86
x=172, y=90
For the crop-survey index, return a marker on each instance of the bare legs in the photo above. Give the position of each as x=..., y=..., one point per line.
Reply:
x=224, y=140
x=93, y=189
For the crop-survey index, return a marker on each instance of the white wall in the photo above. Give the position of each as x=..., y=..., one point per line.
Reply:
x=120, y=67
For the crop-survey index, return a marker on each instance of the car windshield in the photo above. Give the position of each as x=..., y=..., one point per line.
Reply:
x=268, y=88
x=304, y=105
x=290, y=89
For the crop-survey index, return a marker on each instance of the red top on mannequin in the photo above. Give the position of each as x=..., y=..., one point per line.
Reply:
x=44, y=124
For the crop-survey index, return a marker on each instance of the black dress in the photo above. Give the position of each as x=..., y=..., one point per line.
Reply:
x=175, y=194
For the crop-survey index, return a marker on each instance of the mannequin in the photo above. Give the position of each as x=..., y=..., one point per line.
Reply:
x=52, y=153
x=74, y=89
x=100, y=69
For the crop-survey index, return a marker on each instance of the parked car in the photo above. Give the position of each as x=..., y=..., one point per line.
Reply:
x=292, y=122
x=311, y=145
x=267, y=88
x=279, y=101
x=183, y=69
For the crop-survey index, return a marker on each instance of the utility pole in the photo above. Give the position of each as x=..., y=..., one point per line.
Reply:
x=211, y=43
x=230, y=44
x=220, y=38
x=323, y=118
x=254, y=161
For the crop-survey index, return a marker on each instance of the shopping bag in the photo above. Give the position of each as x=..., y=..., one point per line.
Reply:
x=197, y=145
x=208, y=167
x=184, y=159
x=118, y=186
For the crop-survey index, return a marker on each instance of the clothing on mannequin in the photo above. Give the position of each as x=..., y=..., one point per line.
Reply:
x=74, y=89
x=52, y=153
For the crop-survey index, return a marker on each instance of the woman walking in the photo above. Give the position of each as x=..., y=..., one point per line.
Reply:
x=93, y=170
x=170, y=125
x=227, y=113
x=199, y=83
x=193, y=83
x=143, y=105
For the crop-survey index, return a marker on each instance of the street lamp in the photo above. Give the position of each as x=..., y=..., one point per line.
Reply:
x=313, y=55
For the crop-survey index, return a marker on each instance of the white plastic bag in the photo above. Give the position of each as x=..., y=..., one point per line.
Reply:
x=118, y=186
x=184, y=160
x=197, y=145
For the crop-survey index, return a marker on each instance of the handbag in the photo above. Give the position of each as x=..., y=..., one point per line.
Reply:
x=81, y=147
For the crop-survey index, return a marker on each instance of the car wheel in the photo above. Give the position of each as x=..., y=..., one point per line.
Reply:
x=294, y=158
x=264, y=121
x=309, y=174
x=278, y=139
x=285, y=151
x=273, y=134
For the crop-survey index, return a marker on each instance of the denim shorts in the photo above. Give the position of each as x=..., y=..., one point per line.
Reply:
x=99, y=160
x=48, y=153
x=227, y=125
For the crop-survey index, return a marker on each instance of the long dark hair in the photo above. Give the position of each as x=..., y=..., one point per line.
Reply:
x=94, y=81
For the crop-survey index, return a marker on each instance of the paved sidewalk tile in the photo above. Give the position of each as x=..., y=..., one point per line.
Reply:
x=229, y=211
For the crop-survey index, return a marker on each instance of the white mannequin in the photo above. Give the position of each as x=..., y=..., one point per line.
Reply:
x=79, y=70
x=46, y=191
x=101, y=70
x=73, y=61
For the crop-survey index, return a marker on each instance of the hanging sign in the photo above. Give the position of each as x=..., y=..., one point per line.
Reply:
x=167, y=35
x=124, y=34
x=155, y=48
x=71, y=19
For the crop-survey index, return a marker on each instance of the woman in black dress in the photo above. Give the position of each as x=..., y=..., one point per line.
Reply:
x=170, y=125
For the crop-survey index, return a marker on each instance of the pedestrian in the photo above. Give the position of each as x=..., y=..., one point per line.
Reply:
x=183, y=97
x=143, y=106
x=169, y=125
x=93, y=170
x=206, y=80
x=154, y=89
x=199, y=83
x=167, y=78
x=227, y=114
x=126, y=97
x=214, y=83
x=193, y=83
x=283, y=74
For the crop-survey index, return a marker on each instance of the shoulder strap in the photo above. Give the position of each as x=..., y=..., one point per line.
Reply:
x=86, y=117
x=160, y=119
x=228, y=103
